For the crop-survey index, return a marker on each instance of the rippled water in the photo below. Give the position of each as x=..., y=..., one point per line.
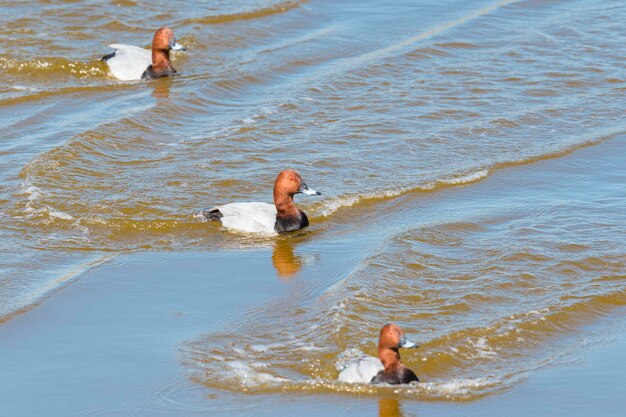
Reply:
x=381, y=107
x=494, y=291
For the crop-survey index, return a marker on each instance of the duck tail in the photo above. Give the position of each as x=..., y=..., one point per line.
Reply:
x=107, y=57
x=208, y=214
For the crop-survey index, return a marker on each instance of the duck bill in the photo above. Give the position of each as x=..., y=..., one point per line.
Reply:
x=407, y=344
x=304, y=189
x=175, y=46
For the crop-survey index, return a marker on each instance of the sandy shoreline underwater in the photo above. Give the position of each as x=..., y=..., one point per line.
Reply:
x=112, y=342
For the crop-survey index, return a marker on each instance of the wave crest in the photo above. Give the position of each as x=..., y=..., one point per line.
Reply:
x=246, y=15
x=52, y=66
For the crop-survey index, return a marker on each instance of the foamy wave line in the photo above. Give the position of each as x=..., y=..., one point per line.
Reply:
x=251, y=377
x=456, y=388
x=256, y=377
x=330, y=206
x=464, y=179
x=31, y=209
x=42, y=65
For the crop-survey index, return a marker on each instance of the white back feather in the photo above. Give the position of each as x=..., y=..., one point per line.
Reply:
x=361, y=370
x=129, y=62
x=249, y=217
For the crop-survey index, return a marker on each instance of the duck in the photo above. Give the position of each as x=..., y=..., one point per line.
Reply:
x=387, y=368
x=129, y=62
x=281, y=217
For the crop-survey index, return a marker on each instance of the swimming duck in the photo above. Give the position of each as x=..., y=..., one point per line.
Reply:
x=282, y=216
x=134, y=63
x=387, y=368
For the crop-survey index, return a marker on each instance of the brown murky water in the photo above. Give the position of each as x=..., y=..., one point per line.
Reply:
x=384, y=107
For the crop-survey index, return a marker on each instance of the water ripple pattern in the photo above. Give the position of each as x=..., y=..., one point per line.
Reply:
x=387, y=108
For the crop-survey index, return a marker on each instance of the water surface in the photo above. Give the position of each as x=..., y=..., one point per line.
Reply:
x=385, y=108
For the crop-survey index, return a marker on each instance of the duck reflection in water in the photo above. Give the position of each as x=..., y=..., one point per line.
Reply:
x=161, y=90
x=286, y=262
x=389, y=407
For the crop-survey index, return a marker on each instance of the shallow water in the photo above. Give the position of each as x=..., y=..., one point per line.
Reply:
x=382, y=107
